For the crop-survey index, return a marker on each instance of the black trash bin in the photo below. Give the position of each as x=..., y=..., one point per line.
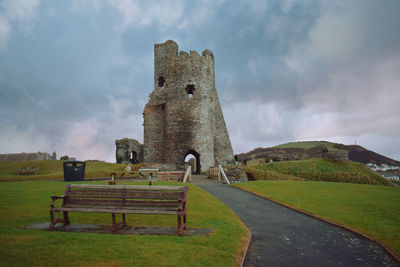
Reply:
x=74, y=170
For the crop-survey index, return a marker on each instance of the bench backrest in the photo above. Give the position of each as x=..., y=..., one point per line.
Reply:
x=168, y=198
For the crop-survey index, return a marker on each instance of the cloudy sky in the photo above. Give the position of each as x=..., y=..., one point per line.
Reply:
x=75, y=75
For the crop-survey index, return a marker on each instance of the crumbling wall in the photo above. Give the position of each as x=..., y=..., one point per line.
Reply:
x=222, y=143
x=128, y=151
x=183, y=115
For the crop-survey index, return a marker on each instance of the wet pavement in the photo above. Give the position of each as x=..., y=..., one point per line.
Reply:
x=283, y=237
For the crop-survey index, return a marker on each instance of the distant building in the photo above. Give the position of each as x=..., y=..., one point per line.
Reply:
x=28, y=156
x=391, y=176
x=383, y=167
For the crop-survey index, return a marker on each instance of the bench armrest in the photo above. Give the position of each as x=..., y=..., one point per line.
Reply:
x=54, y=198
x=182, y=205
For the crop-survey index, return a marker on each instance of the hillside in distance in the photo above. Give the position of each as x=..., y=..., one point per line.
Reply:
x=311, y=149
x=316, y=170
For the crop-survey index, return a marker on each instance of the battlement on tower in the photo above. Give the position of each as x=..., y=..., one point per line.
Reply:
x=169, y=51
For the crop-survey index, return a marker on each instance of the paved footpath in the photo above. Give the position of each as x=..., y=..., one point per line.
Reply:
x=283, y=237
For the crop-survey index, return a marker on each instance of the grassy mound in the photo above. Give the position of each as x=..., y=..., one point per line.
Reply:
x=373, y=210
x=53, y=169
x=27, y=202
x=310, y=144
x=317, y=170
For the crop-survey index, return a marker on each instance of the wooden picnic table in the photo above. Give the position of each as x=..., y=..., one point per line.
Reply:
x=149, y=174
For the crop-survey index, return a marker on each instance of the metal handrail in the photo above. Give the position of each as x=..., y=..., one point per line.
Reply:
x=223, y=174
x=188, y=174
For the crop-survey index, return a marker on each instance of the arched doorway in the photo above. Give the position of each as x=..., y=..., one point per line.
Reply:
x=133, y=157
x=193, y=158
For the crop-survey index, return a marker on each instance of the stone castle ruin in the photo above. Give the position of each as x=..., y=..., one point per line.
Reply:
x=129, y=151
x=183, y=116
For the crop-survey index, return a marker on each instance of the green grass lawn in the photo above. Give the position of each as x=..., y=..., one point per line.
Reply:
x=53, y=169
x=370, y=209
x=317, y=170
x=310, y=144
x=27, y=202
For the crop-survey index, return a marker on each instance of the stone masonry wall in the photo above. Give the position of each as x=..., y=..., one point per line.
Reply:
x=124, y=149
x=183, y=115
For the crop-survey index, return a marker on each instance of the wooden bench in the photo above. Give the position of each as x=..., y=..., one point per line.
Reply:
x=149, y=173
x=121, y=199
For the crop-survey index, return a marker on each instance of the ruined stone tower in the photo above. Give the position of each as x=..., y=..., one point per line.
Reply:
x=183, y=115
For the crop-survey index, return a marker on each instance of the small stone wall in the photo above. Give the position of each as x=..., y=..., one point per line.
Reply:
x=336, y=156
x=235, y=174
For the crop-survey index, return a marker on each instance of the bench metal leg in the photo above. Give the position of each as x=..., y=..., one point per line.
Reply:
x=66, y=218
x=52, y=220
x=55, y=221
x=184, y=222
x=115, y=226
x=123, y=220
x=180, y=225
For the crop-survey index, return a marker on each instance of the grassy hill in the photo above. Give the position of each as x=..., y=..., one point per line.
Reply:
x=306, y=149
x=310, y=144
x=53, y=169
x=316, y=170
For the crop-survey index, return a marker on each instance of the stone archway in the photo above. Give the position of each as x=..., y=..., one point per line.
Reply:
x=134, y=157
x=197, y=159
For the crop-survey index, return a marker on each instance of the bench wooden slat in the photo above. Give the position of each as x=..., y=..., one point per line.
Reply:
x=100, y=190
x=103, y=191
x=130, y=187
x=120, y=211
x=127, y=203
x=124, y=208
x=138, y=196
x=118, y=208
x=128, y=194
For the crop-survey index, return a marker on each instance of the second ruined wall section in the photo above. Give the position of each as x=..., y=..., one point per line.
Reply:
x=223, y=152
x=154, y=124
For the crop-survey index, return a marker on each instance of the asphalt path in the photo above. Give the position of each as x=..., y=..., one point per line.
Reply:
x=283, y=237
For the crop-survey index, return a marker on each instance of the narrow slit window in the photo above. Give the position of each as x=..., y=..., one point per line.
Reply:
x=161, y=81
x=190, y=90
